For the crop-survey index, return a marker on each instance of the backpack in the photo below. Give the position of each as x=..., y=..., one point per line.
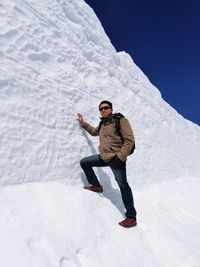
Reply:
x=117, y=117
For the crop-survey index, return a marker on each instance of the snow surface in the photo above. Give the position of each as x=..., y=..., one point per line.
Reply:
x=56, y=60
x=52, y=224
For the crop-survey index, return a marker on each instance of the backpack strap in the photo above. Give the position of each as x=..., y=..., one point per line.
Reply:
x=117, y=117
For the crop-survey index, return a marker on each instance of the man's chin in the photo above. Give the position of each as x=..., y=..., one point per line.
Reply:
x=106, y=116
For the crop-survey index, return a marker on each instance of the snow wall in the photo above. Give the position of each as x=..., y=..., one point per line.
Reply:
x=56, y=60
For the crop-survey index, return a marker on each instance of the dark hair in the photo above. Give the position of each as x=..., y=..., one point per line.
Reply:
x=106, y=102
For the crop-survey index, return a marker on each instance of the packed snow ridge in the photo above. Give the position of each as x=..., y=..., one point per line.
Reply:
x=56, y=60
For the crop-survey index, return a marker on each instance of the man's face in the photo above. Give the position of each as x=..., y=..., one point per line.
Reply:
x=105, y=110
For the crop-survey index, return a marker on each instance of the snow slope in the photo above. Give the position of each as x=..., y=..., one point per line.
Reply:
x=56, y=60
x=54, y=225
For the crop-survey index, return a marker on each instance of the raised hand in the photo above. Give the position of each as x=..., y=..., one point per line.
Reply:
x=80, y=118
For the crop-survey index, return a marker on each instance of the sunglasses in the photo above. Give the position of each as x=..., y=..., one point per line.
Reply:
x=104, y=108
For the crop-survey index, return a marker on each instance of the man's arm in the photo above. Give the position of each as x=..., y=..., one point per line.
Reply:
x=128, y=138
x=90, y=129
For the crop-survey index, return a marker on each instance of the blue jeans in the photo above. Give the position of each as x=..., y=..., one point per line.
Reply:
x=119, y=170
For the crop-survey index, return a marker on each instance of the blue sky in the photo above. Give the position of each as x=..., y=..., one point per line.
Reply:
x=163, y=38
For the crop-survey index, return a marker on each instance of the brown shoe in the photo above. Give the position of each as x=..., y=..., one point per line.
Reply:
x=97, y=189
x=128, y=222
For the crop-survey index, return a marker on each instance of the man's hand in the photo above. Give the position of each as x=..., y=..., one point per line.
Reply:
x=80, y=118
x=116, y=162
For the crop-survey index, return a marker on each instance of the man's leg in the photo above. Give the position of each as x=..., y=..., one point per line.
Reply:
x=87, y=164
x=119, y=170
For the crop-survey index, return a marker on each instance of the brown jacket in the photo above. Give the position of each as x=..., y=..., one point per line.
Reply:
x=110, y=143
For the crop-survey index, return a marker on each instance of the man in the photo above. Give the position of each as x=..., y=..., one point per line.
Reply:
x=113, y=152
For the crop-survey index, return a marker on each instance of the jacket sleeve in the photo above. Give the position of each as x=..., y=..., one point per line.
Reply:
x=90, y=129
x=128, y=137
